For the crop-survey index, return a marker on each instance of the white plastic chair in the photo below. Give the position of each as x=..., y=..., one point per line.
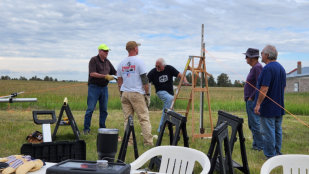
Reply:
x=291, y=164
x=175, y=159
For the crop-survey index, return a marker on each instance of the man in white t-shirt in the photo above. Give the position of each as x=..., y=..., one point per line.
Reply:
x=134, y=89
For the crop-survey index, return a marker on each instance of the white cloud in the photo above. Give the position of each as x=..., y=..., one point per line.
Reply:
x=68, y=31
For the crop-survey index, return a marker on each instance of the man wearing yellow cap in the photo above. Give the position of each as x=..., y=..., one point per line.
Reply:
x=134, y=86
x=100, y=73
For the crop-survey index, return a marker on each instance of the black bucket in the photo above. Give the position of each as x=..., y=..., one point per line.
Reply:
x=107, y=141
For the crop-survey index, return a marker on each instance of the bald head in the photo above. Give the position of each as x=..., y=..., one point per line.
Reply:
x=160, y=64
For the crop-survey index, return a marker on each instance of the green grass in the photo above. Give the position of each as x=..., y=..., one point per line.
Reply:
x=16, y=118
x=16, y=125
x=50, y=94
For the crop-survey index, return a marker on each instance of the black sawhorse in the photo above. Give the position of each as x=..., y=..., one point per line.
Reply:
x=125, y=141
x=215, y=154
x=236, y=125
x=65, y=107
x=171, y=119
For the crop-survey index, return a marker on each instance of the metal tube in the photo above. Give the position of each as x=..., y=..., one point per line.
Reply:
x=202, y=86
x=7, y=100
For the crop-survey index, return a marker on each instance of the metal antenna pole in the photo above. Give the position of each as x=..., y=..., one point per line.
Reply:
x=11, y=99
x=202, y=80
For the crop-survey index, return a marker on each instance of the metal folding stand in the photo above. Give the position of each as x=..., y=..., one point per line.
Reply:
x=65, y=107
x=125, y=141
x=215, y=154
x=45, y=123
x=236, y=126
x=171, y=119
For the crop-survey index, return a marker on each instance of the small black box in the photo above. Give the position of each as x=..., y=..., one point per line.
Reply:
x=87, y=167
x=56, y=151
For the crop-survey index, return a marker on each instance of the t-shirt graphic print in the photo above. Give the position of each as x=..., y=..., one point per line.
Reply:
x=163, y=78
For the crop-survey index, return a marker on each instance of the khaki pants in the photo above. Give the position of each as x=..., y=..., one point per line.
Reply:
x=135, y=102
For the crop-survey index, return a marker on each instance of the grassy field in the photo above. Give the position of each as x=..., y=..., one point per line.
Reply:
x=50, y=94
x=16, y=119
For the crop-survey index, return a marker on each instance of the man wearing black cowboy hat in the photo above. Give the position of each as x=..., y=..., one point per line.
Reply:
x=252, y=57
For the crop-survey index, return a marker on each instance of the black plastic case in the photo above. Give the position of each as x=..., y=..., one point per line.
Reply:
x=56, y=151
x=87, y=167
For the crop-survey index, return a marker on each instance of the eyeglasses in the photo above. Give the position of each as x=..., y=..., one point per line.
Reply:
x=106, y=51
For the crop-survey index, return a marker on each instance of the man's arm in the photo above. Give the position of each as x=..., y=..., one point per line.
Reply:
x=184, y=78
x=119, y=81
x=97, y=75
x=145, y=83
x=262, y=95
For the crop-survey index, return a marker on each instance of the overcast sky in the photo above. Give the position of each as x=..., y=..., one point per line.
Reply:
x=58, y=37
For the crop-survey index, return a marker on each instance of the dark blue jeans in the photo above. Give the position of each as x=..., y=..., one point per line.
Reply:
x=96, y=93
x=272, y=135
x=254, y=126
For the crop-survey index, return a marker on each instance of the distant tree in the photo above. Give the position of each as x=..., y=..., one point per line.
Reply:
x=22, y=78
x=35, y=78
x=14, y=78
x=5, y=78
x=223, y=80
x=189, y=78
x=46, y=78
x=56, y=80
x=238, y=83
x=211, y=81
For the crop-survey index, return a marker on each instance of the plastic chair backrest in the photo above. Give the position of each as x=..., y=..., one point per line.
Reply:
x=175, y=159
x=291, y=164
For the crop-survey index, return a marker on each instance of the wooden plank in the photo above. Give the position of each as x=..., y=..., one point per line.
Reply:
x=200, y=89
x=202, y=135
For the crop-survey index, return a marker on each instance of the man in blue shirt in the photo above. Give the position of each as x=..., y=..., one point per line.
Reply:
x=252, y=58
x=271, y=82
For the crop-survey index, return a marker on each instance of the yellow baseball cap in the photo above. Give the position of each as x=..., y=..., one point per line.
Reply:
x=103, y=47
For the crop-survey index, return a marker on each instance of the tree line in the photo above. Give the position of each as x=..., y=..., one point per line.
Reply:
x=223, y=80
x=35, y=78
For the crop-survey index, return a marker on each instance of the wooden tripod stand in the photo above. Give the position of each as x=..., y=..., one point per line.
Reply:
x=196, y=71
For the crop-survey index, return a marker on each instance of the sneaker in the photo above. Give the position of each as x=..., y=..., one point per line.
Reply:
x=86, y=132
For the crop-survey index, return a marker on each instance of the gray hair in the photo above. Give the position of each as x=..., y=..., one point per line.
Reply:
x=271, y=51
x=162, y=61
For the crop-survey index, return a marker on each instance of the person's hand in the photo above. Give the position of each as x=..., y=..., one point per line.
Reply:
x=257, y=109
x=147, y=99
x=249, y=99
x=109, y=77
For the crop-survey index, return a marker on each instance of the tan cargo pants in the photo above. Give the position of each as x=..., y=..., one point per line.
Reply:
x=135, y=102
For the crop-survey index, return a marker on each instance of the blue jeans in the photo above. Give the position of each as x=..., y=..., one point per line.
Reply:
x=272, y=135
x=167, y=99
x=96, y=93
x=254, y=126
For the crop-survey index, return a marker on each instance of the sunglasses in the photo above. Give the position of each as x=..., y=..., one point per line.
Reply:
x=106, y=51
